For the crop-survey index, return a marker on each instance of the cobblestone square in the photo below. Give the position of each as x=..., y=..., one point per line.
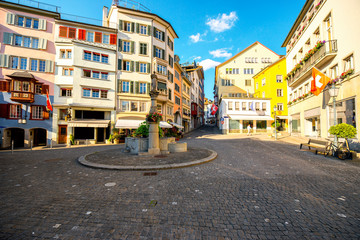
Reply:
x=254, y=189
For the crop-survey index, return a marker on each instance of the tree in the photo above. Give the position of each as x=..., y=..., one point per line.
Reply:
x=343, y=130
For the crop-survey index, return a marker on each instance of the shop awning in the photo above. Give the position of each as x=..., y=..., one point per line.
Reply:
x=134, y=124
x=89, y=123
x=165, y=125
x=176, y=125
x=249, y=117
x=128, y=123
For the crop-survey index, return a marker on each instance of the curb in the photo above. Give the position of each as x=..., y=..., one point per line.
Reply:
x=82, y=160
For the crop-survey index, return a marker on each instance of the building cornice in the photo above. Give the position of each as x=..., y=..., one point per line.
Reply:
x=19, y=7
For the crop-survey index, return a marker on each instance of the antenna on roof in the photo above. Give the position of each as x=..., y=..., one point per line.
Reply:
x=115, y=2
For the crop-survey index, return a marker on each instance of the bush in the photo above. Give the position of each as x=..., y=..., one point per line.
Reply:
x=343, y=130
x=142, y=130
x=72, y=139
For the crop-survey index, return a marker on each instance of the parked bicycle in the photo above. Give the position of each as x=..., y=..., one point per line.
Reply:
x=342, y=151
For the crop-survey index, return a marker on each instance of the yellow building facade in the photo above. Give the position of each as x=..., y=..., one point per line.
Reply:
x=270, y=83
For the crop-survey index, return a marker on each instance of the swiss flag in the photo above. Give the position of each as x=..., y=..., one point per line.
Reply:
x=48, y=103
x=214, y=108
x=319, y=81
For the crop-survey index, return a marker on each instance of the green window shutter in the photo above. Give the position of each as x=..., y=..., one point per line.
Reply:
x=137, y=66
x=222, y=82
x=154, y=52
x=132, y=27
x=132, y=46
x=163, y=54
x=10, y=18
x=132, y=66
x=137, y=28
x=137, y=87
x=42, y=24
x=119, y=64
x=149, y=30
x=132, y=87
x=119, y=90
x=154, y=31
x=8, y=38
x=148, y=68
x=148, y=88
x=120, y=25
x=163, y=36
x=120, y=45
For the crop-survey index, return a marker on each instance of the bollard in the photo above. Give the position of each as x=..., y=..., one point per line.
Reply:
x=12, y=146
x=86, y=142
x=50, y=143
x=31, y=145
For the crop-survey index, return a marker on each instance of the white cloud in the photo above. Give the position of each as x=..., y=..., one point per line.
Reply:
x=196, y=38
x=208, y=64
x=222, y=22
x=197, y=58
x=222, y=52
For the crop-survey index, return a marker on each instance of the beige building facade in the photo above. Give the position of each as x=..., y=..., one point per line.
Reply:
x=325, y=35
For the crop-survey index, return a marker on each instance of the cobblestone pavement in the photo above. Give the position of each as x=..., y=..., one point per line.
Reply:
x=253, y=190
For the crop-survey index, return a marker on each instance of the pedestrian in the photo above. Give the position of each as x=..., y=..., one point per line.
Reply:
x=249, y=130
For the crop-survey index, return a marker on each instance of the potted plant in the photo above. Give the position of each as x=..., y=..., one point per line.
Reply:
x=153, y=117
x=116, y=137
x=72, y=142
x=343, y=130
x=142, y=131
x=109, y=141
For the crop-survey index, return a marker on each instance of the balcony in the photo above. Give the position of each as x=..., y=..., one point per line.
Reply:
x=327, y=52
x=25, y=97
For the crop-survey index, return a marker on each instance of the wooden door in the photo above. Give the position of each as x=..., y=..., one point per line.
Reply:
x=62, y=133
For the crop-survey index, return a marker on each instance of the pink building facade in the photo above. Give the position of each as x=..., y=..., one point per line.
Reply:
x=27, y=63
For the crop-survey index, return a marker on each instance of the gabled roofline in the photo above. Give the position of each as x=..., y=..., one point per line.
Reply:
x=25, y=8
x=238, y=54
x=297, y=21
x=267, y=67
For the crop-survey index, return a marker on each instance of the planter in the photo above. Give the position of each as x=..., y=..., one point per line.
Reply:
x=116, y=141
x=136, y=145
x=108, y=142
x=177, y=147
x=164, y=142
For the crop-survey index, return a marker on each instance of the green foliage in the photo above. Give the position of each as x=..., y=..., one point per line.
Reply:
x=115, y=130
x=343, y=130
x=72, y=139
x=277, y=124
x=143, y=130
x=110, y=138
x=116, y=136
x=161, y=132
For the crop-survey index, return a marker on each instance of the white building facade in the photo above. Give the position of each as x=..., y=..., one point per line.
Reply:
x=325, y=35
x=84, y=103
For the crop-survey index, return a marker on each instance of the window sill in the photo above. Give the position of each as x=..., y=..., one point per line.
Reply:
x=93, y=98
x=93, y=61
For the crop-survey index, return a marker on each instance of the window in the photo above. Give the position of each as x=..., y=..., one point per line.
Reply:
x=104, y=58
x=103, y=94
x=300, y=91
x=237, y=106
x=98, y=37
x=95, y=93
x=263, y=82
x=104, y=75
x=127, y=26
x=106, y=38
x=177, y=76
x=27, y=22
x=127, y=66
x=257, y=106
x=125, y=87
x=126, y=46
x=170, y=77
x=248, y=82
x=68, y=71
x=263, y=106
x=14, y=62
x=27, y=42
x=143, y=48
x=134, y=106
x=96, y=57
x=177, y=100
x=15, y=111
x=230, y=106
x=243, y=106
x=125, y=106
x=161, y=69
x=334, y=71
x=37, y=112
x=35, y=43
x=177, y=88
x=95, y=74
x=248, y=71
x=143, y=107
x=307, y=89
x=159, y=34
x=34, y=65
x=142, y=88
x=86, y=92
x=143, y=67
x=280, y=107
x=159, y=53
x=349, y=63
x=170, y=44
x=86, y=73
x=279, y=92
x=41, y=65
x=65, y=53
x=279, y=78
x=171, y=61
x=72, y=33
x=38, y=89
x=38, y=65
x=89, y=36
x=65, y=92
x=170, y=94
x=143, y=29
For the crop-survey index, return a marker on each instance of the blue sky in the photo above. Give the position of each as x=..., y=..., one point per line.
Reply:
x=210, y=31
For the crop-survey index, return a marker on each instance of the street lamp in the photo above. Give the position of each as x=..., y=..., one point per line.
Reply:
x=333, y=92
x=275, y=121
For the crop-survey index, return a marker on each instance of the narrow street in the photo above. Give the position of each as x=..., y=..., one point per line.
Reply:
x=253, y=190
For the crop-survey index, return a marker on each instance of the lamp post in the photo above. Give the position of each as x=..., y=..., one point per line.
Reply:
x=275, y=121
x=333, y=92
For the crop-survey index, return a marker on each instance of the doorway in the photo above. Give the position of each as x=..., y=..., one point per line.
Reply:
x=100, y=135
x=17, y=135
x=62, y=134
x=39, y=138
